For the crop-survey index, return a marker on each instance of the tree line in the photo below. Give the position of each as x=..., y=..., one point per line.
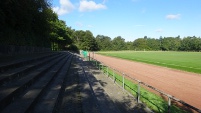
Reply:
x=150, y=44
x=33, y=23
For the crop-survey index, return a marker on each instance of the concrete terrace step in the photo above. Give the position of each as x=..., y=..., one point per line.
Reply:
x=6, y=66
x=21, y=71
x=70, y=101
x=51, y=97
x=77, y=96
x=9, y=91
x=35, y=93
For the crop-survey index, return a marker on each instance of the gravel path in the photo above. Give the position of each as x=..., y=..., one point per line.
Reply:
x=182, y=85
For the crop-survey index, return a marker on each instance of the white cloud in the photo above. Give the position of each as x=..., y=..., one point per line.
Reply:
x=90, y=6
x=65, y=7
x=172, y=17
x=159, y=30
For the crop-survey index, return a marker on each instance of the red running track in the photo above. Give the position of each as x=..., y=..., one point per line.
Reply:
x=185, y=86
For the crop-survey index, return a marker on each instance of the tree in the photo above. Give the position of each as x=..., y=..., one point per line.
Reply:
x=129, y=45
x=61, y=35
x=85, y=40
x=153, y=44
x=140, y=44
x=104, y=42
x=170, y=43
x=190, y=44
x=25, y=22
x=195, y=44
x=118, y=43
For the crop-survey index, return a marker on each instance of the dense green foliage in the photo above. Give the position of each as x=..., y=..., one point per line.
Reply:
x=60, y=35
x=85, y=40
x=187, y=61
x=104, y=42
x=23, y=20
x=150, y=44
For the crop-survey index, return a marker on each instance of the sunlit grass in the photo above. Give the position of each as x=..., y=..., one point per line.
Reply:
x=186, y=61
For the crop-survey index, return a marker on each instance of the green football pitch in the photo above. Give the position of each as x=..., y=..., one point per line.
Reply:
x=186, y=61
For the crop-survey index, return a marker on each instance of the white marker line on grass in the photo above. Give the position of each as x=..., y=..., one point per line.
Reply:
x=168, y=64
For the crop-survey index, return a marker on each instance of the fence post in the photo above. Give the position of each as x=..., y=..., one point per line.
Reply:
x=102, y=68
x=91, y=61
x=107, y=72
x=113, y=76
x=138, y=92
x=123, y=82
x=89, y=56
x=169, y=104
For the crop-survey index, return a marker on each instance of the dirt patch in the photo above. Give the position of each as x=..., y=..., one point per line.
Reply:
x=182, y=85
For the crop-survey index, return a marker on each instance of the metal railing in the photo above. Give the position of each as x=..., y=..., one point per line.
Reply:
x=171, y=98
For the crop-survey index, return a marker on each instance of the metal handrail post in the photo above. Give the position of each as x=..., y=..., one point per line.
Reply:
x=107, y=72
x=138, y=92
x=113, y=76
x=123, y=82
x=169, y=104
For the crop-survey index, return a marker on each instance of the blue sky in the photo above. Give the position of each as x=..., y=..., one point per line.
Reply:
x=132, y=19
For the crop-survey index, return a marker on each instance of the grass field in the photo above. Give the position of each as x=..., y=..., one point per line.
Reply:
x=186, y=61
